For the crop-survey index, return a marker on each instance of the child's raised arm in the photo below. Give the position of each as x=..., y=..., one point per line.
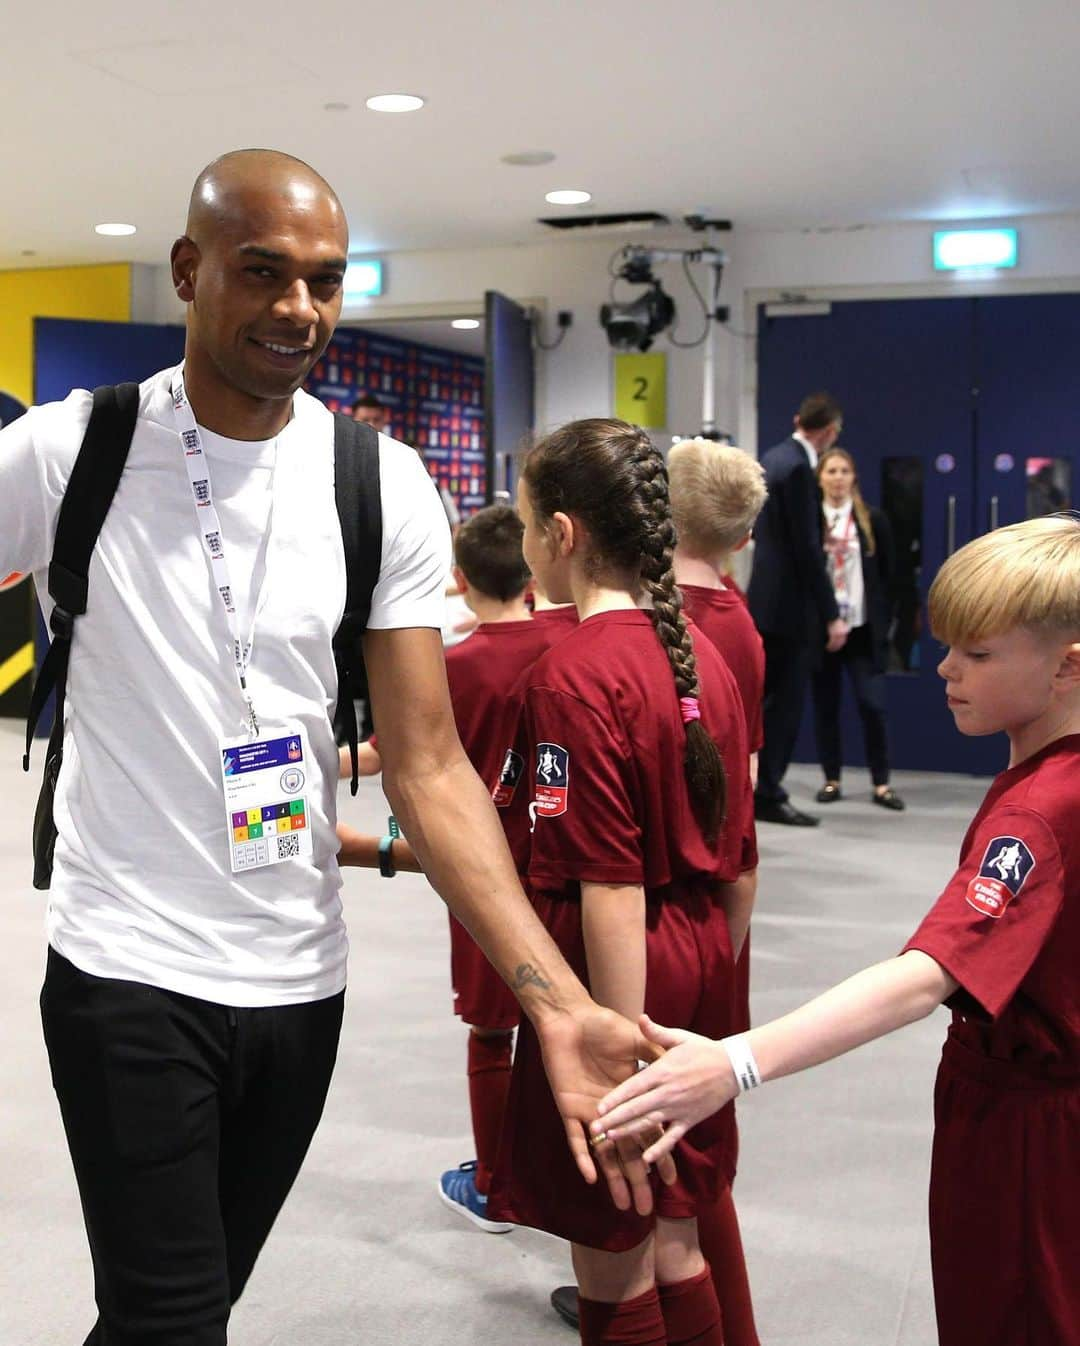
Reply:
x=696, y=1077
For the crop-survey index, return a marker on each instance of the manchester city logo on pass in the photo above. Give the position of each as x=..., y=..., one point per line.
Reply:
x=552, y=780
x=1006, y=864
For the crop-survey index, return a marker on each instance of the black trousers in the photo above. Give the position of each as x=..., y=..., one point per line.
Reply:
x=869, y=686
x=187, y=1123
x=787, y=672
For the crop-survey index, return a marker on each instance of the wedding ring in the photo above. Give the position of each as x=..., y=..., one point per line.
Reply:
x=598, y=1139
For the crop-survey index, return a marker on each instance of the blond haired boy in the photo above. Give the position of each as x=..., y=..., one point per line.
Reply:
x=717, y=492
x=1001, y=947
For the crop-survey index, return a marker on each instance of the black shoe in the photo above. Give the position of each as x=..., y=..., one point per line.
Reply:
x=829, y=793
x=564, y=1302
x=890, y=800
x=782, y=811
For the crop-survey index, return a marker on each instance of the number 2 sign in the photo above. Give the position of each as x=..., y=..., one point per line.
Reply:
x=641, y=389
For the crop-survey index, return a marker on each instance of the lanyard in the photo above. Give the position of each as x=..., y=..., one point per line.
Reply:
x=209, y=525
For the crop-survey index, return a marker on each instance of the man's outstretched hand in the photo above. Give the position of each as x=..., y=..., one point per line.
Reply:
x=588, y=1052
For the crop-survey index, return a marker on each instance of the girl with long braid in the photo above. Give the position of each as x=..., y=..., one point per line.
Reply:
x=641, y=861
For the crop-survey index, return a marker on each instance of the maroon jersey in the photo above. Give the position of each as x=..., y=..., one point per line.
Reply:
x=1007, y=926
x=603, y=742
x=481, y=672
x=724, y=617
x=1004, y=1183
x=610, y=799
x=560, y=621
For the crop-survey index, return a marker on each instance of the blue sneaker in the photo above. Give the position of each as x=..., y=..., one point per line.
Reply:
x=457, y=1188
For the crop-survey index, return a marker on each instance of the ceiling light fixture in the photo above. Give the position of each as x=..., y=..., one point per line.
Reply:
x=466, y=324
x=395, y=102
x=529, y=158
x=114, y=230
x=568, y=198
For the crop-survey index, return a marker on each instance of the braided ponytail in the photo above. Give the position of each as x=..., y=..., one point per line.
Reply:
x=610, y=475
x=702, y=762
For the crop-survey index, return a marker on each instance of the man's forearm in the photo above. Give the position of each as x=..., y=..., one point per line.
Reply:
x=452, y=826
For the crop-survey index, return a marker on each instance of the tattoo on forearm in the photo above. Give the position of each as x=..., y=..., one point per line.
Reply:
x=527, y=975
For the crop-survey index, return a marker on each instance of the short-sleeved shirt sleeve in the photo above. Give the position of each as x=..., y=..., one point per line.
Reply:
x=36, y=454
x=583, y=795
x=996, y=913
x=411, y=590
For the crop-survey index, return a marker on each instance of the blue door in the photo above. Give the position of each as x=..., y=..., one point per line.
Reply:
x=1027, y=355
x=904, y=372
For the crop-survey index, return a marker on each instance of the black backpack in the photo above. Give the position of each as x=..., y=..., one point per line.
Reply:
x=90, y=490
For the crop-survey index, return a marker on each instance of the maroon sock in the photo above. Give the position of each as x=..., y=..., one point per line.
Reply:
x=691, y=1313
x=721, y=1243
x=634, y=1322
x=489, y=1084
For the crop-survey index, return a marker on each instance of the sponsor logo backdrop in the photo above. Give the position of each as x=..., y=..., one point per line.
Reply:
x=435, y=397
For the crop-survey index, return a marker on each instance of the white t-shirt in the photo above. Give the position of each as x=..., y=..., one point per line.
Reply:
x=843, y=560
x=142, y=888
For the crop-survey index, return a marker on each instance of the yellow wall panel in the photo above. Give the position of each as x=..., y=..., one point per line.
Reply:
x=102, y=292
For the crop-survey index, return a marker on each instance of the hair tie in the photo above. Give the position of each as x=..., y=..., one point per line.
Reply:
x=690, y=707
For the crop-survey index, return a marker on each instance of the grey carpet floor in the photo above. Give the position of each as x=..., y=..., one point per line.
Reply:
x=833, y=1171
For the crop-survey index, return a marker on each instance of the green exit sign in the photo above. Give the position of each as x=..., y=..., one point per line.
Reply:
x=974, y=249
x=363, y=278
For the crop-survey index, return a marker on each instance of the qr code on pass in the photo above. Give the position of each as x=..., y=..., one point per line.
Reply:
x=287, y=847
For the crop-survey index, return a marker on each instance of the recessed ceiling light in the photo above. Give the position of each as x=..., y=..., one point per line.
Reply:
x=529, y=158
x=568, y=198
x=465, y=324
x=395, y=102
x=114, y=230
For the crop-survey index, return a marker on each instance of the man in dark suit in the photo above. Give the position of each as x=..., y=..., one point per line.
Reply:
x=790, y=596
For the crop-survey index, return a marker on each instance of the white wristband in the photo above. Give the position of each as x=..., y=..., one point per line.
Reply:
x=747, y=1074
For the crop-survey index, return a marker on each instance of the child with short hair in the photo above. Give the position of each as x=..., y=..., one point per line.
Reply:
x=642, y=844
x=1000, y=947
x=717, y=493
x=492, y=575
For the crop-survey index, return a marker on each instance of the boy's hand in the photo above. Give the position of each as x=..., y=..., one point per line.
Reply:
x=692, y=1081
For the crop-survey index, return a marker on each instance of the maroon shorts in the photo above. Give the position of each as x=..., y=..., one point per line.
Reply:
x=1005, y=1204
x=481, y=997
x=689, y=981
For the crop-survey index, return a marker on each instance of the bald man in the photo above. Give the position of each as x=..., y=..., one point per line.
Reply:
x=191, y=1012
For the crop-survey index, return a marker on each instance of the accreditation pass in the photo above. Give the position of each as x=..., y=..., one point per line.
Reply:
x=266, y=782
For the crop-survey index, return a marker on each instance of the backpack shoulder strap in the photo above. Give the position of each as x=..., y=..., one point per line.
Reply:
x=357, y=493
x=87, y=497
x=359, y=506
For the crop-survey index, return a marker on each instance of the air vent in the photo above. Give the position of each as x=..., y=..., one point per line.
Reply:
x=628, y=223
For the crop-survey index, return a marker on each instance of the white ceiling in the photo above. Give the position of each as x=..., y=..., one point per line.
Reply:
x=777, y=113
